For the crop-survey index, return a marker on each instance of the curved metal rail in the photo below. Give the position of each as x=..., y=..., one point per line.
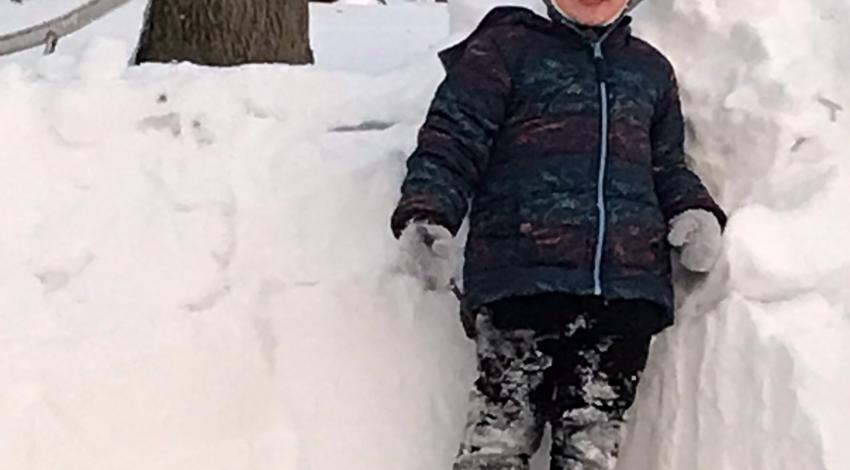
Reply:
x=48, y=33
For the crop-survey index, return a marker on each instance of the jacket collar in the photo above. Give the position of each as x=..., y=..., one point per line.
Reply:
x=614, y=35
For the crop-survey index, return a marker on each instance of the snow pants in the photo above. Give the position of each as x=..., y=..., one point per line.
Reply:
x=579, y=377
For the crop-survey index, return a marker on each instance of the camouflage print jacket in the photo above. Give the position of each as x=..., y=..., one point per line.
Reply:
x=570, y=150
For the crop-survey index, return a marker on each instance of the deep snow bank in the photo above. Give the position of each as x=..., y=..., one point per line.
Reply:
x=195, y=273
x=754, y=377
x=198, y=283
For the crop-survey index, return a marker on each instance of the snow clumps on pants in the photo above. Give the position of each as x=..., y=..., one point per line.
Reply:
x=580, y=381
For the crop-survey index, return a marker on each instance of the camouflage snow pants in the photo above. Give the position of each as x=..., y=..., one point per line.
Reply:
x=577, y=379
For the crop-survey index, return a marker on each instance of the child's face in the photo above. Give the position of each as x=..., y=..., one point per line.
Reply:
x=593, y=12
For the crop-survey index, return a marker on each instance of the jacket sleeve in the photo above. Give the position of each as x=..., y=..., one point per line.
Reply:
x=454, y=142
x=677, y=187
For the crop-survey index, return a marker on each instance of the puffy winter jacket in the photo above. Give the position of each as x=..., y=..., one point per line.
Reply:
x=569, y=147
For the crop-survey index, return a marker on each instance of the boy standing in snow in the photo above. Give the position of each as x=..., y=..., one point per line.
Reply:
x=567, y=135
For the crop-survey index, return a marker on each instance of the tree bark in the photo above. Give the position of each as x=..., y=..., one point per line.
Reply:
x=226, y=32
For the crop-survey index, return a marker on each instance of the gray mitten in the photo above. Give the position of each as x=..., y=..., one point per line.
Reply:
x=698, y=235
x=426, y=250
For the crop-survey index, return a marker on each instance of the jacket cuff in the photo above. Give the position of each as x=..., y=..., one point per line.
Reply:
x=401, y=219
x=716, y=211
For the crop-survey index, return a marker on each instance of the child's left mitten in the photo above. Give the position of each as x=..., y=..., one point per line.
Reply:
x=698, y=236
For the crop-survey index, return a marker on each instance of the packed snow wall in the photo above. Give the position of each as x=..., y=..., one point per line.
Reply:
x=202, y=283
x=196, y=267
x=755, y=374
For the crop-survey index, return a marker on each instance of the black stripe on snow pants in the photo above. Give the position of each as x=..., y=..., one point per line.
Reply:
x=576, y=378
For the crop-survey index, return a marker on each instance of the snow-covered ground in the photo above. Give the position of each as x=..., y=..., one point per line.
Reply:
x=196, y=270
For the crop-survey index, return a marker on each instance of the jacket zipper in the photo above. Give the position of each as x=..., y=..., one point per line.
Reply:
x=599, y=63
x=601, y=78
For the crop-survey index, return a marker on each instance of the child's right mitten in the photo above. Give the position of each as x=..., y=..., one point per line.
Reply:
x=426, y=250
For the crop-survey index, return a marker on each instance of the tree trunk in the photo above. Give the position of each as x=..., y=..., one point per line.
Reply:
x=226, y=32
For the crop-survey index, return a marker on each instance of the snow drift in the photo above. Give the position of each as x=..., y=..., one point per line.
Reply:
x=754, y=376
x=196, y=269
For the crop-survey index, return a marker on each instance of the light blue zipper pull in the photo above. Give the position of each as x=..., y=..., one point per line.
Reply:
x=597, y=50
x=599, y=62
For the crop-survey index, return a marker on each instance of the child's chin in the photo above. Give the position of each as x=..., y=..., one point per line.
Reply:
x=593, y=21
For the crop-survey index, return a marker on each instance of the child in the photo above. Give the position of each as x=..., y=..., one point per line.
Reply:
x=567, y=135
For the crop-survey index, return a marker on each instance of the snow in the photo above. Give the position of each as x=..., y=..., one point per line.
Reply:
x=754, y=376
x=15, y=17
x=465, y=15
x=196, y=271
x=28, y=13
x=377, y=38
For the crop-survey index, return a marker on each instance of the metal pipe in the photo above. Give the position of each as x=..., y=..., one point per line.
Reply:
x=42, y=34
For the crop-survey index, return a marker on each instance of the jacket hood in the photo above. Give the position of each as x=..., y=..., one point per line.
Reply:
x=510, y=15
